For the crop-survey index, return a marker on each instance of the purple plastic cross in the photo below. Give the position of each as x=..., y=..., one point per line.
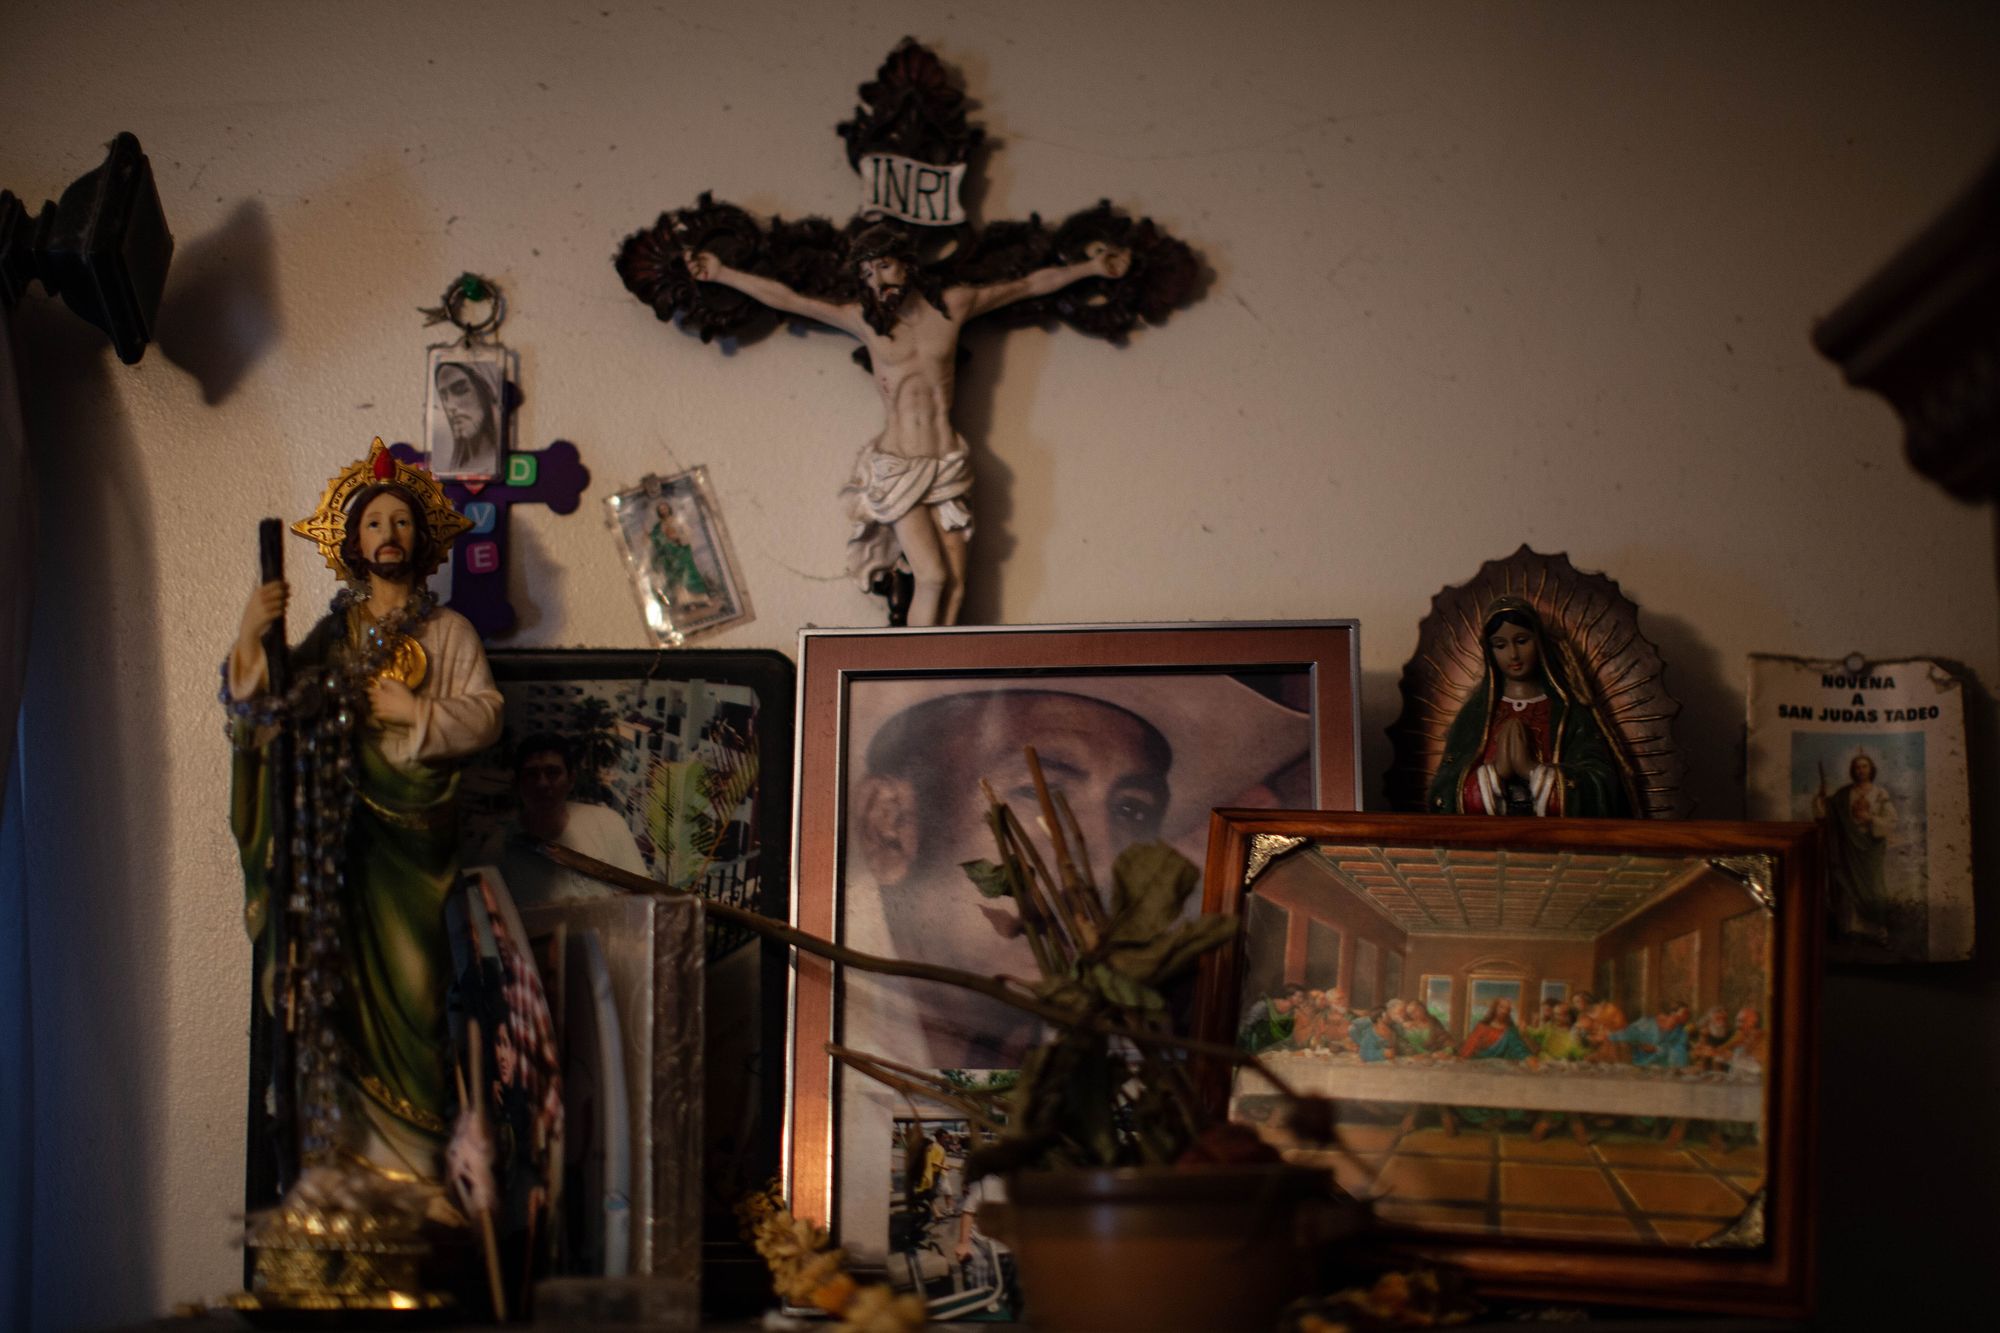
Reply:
x=554, y=476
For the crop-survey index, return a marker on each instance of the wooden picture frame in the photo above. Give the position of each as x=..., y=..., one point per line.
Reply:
x=1232, y=697
x=1565, y=1167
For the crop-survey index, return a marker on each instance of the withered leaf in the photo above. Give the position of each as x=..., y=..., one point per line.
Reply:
x=1165, y=956
x=1149, y=883
x=1122, y=986
x=989, y=878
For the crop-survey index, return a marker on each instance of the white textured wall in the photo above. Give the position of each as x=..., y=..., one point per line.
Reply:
x=1482, y=274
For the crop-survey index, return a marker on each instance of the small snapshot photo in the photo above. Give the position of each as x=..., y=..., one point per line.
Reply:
x=465, y=413
x=682, y=568
x=936, y=1248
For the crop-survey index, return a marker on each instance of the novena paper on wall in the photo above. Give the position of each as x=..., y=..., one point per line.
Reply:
x=1874, y=752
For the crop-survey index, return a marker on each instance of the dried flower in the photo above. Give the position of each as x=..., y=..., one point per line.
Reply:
x=879, y=1310
x=802, y=1282
x=1402, y=1299
x=836, y=1294
x=805, y=1270
x=1313, y=1323
x=1389, y=1297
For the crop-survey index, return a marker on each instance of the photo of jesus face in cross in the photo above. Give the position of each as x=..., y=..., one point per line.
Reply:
x=907, y=495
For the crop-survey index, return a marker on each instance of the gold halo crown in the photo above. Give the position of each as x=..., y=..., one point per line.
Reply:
x=327, y=525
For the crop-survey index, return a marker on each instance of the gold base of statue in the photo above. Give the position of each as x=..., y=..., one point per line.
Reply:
x=346, y=1244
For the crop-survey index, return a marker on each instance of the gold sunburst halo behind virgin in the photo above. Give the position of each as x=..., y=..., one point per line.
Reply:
x=326, y=526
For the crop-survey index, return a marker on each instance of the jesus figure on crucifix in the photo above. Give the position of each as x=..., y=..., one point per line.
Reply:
x=911, y=481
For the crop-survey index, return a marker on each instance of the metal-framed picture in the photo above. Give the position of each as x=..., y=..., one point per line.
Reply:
x=1143, y=728
x=675, y=765
x=1571, y=1056
x=465, y=410
x=677, y=549
x=631, y=1035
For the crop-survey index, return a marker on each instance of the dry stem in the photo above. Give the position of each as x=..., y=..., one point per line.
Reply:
x=1004, y=989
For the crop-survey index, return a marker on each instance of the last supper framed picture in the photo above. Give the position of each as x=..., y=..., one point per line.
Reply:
x=1572, y=1056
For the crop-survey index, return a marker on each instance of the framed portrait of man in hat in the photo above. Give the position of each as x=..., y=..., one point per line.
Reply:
x=1145, y=729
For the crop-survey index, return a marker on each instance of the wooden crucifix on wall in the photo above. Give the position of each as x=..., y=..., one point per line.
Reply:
x=904, y=276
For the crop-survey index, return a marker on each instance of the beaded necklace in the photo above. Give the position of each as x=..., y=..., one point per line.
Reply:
x=346, y=674
x=322, y=707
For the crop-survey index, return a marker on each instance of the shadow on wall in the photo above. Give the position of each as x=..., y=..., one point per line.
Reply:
x=982, y=357
x=93, y=741
x=1709, y=730
x=535, y=582
x=220, y=312
x=990, y=350
x=1381, y=701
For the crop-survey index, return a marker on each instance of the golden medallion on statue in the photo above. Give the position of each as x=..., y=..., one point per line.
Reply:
x=404, y=659
x=408, y=662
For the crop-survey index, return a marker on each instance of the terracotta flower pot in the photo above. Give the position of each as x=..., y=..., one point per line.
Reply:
x=1169, y=1248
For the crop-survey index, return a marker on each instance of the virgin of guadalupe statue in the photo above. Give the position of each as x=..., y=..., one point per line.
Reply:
x=1532, y=692
x=1526, y=743
x=388, y=691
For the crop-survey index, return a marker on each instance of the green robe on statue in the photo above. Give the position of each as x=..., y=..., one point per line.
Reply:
x=402, y=859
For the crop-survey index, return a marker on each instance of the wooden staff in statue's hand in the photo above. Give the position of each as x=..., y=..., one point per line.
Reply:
x=260, y=646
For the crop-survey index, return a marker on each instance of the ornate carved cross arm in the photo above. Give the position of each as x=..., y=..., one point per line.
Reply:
x=804, y=255
x=809, y=256
x=1163, y=275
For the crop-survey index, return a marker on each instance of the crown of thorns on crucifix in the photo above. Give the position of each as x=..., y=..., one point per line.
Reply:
x=912, y=117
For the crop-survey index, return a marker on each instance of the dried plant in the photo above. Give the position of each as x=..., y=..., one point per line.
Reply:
x=1113, y=1085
